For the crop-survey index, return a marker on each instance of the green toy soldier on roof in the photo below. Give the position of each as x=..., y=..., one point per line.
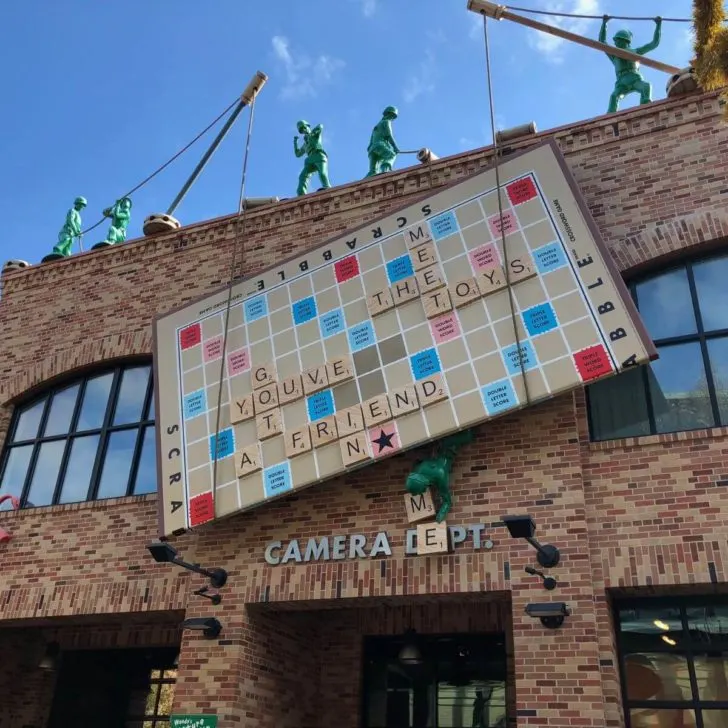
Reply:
x=69, y=232
x=316, y=158
x=382, y=149
x=629, y=79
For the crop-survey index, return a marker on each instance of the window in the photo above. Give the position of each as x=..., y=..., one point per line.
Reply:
x=685, y=311
x=674, y=662
x=460, y=681
x=83, y=440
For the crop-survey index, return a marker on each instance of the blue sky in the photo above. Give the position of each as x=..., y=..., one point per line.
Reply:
x=98, y=94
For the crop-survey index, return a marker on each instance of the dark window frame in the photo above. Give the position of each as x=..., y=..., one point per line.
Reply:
x=700, y=336
x=107, y=428
x=688, y=648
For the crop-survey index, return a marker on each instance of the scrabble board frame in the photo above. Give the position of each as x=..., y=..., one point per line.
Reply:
x=388, y=337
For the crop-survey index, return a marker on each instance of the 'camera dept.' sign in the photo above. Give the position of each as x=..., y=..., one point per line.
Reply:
x=358, y=546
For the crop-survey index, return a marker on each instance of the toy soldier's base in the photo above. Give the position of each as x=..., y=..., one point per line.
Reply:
x=15, y=265
x=102, y=244
x=160, y=222
x=682, y=83
x=53, y=256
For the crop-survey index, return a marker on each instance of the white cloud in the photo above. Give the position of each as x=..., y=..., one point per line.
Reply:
x=421, y=81
x=551, y=47
x=368, y=8
x=304, y=76
x=476, y=26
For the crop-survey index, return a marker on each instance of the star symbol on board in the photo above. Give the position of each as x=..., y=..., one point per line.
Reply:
x=384, y=440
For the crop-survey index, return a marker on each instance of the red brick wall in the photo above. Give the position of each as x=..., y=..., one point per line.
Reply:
x=628, y=513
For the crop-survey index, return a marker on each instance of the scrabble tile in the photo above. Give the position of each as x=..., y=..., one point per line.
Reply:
x=464, y=292
x=417, y=235
x=403, y=400
x=430, y=279
x=323, y=431
x=376, y=410
x=380, y=302
x=263, y=375
x=520, y=268
x=247, y=460
x=491, y=280
x=339, y=370
x=269, y=424
x=315, y=379
x=290, y=390
x=241, y=409
x=436, y=303
x=297, y=441
x=419, y=507
x=266, y=398
x=354, y=449
x=423, y=256
x=431, y=390
x=349, y=421
x=432, y=538
x=405, y=290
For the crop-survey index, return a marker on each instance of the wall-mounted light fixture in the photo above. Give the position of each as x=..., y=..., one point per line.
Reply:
x=549, y=583
x=551, y=614
x=209, y=626
x=410, y=654
x=49, y=661
x=524, y=527
x=202, y=592
x=165, y=553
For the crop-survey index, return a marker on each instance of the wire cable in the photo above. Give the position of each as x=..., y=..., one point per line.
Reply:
x=150, y=177
x=595, y=17
x=496, y=161
x=238, y=241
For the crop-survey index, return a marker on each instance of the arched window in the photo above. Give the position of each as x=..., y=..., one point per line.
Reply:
x=685, y=310
x=87, y=439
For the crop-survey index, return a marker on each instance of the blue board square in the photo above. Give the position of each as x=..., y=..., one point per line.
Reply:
x=256, y=308
x=499, y=396
x=539, y=319
x=361, y=336
x=549, y=257
x=195, y=403
x=399, y=268
x=443, y=225
x=277, y=479
x=320, y=405
x=225, y=444
x=331, y=322
x=304, y=310
x=510, y=357
x=425, y=364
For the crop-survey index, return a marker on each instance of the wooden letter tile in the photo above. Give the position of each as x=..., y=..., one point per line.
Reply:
x=380, y=302
x=323, y=431
x=432, y=538
x=297, y=441
x=376, y=410
x=423, y=256
x=464, y=292
x=339, y=370
x=263, y=375
x=266, y=398
x=241, y=409
x=354, y=449
x=269, y=424
x=419, y=507
x=520, y=268
x=417, y=235
x=349, y=421
x=491, y=280
x=436, y=303
x=247, y=460
x=289, y=390
x=405, y=290
x=430, y=279
x=403, y=400
x=431, y=390
x=314, y=380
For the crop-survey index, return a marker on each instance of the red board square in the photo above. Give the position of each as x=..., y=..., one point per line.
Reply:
x=191, y=336
x=521, y=190
x=346, y=268
x=593, y=362
x=202, y=509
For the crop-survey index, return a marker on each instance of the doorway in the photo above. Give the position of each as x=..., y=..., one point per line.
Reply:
x=435, y=681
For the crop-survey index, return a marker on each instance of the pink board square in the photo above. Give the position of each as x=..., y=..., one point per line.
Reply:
x=346, y=268
x=509, y=223
x=238, y=361
x=445, y=327
x=593, y=362
x=486, y=256
x=522, y=190
x=384, y=439
x=212, y=348
x=190, y=336
x=202, y=509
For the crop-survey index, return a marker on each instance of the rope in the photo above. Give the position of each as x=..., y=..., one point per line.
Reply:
x=596, y=17
x=167, y=163
x=496, y=160
x=239, y=239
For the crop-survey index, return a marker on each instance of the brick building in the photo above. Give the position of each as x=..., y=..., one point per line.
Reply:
x=627, y=479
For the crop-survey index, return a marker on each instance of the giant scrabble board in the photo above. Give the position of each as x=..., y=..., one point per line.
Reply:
x=387, y=337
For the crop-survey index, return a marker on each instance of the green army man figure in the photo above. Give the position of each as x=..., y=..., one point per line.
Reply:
x=629, y=79
x=382, y=149
x=69, y=232
x=316, y=157
x=120, y=215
